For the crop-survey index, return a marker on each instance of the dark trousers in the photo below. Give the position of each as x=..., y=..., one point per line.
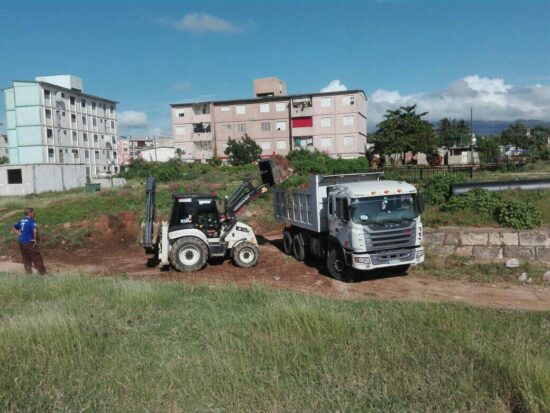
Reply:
x=31, y=255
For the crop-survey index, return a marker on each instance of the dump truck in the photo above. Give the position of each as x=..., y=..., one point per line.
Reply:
x=352, y=222
x=196, y=231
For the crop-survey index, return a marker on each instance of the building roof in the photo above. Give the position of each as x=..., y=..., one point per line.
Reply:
x=63, y=88
x=270, y=98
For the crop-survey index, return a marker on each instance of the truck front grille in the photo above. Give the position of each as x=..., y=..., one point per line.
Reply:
x=390, y=239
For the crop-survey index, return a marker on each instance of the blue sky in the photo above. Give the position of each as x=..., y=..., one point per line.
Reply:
x=444, y=55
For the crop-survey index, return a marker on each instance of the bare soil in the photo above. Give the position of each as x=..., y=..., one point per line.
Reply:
x=116, y=253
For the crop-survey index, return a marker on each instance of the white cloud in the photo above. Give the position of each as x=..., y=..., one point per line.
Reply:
x=491, y=99
x=132, y=119
x=202, y=23
x=334, y=86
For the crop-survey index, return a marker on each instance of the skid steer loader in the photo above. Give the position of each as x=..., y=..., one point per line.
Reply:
x=196, y=231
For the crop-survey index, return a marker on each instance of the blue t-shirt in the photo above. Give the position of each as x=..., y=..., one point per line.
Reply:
x=26, y=226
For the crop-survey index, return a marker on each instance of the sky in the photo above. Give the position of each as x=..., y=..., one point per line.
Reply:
x=445, y=56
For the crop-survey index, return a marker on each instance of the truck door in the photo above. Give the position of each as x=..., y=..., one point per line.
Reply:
x=339, y=225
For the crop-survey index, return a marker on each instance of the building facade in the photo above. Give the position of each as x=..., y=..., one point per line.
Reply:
x=333, y=122
x=131, y=148
x=50, y=120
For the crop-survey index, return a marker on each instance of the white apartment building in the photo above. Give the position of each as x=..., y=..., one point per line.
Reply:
x=50, y=120
x=333, y=122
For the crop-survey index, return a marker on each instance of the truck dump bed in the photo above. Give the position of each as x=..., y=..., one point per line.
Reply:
x=307, y=208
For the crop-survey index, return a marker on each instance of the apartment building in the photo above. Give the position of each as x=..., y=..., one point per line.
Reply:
x=131, y=147
x=50, y=120
x=333, y=122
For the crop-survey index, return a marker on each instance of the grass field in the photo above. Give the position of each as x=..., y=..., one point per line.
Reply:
x=78, y=343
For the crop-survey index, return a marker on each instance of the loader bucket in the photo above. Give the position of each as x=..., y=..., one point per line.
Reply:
x=274, y=170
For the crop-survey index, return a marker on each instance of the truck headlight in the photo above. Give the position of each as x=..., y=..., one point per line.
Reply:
x=419, y=253
x=361, y=260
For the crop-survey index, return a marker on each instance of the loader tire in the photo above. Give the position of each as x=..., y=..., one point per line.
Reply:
x=287, y=242
x=189, y=254
x=246, y=255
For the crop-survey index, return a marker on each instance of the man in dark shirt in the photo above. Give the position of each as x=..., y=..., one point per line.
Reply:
x=27, y=233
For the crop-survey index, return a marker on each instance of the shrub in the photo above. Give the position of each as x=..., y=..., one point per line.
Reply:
x=519, y=215
x=480, y=200
x=437, y=188
x=305, y=162
x=242, y=152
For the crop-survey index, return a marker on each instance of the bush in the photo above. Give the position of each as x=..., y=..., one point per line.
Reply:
x=519, y=215
x=242, y=152
x=305, y=162
x=172, y=170
x=510, y=213
x=437, y=188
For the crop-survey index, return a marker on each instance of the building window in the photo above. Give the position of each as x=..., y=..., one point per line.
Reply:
x=241, y=127
x=93, y=105
x=49, y=133
x=303, y=141
x=326, y=142
x=15, y=176
x=180, y=130
x=46, y=94
x=96, y=155
x=348, y=100
x=112, y=109
x=281, y=125
x=304, y=122
x=266, y=126
x=326, y=122
x=264, y=107
x=94, y=121
x=326, y=102
x=75, y=139
x=83, y=103
x=180, y=113
x=240, y=110
x=83, y=120
x=224, y=109
x=48, y=114
x=112, y=124
x=71, y=99
x=281, y=144
x=75, y=154
x=348, y=121
x=265, y=145
x=349, y=140
x=73, y=118
x=228, y=126
x=87, y=154
x=85, y=137
x=203, y=146
x=50, y=153
x=95, y=139
x=280, y=107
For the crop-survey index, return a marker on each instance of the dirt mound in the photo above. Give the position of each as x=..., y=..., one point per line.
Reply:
x=119, y=229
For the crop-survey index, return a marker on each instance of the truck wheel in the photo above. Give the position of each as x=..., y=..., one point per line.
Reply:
x=188, y=254
x=336, y=266
x=298, y=249
x=287, y=242
x=246, y=255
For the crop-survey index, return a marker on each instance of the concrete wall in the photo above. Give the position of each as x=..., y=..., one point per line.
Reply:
x=489, y=243
x=42, y=178
x=109, y=182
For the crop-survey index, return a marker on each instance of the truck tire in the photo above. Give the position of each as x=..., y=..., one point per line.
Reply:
x=336, y=266
x=287, y=242
x=298, y=249
x=189, y=254
x=246, y=255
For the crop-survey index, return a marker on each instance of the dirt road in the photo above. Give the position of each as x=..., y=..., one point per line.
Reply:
x=279, y=271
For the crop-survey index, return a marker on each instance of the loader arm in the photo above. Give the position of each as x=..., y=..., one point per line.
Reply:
x=148, y=242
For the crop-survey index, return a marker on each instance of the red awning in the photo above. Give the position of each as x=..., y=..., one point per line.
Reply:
x=304, y=122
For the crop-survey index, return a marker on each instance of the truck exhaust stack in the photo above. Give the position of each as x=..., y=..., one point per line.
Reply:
x=274, y=170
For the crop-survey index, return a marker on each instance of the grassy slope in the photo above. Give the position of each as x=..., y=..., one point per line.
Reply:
x=81, y=343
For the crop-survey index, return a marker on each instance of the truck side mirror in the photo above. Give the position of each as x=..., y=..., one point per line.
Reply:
x=420, y=203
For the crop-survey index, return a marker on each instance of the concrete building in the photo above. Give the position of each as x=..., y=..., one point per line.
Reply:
x=158, y=154
x=50, y=120
x=333, y=122
x=131, y=148
x=17, y=180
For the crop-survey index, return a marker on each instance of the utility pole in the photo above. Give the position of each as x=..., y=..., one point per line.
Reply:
x=155, y=146
x=472, y=136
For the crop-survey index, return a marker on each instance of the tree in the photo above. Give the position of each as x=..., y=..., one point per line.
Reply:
x=488, y=148
x=242, y=152
x=516, y=134
x=539, y=143
x=403, y=130
x=453, y=132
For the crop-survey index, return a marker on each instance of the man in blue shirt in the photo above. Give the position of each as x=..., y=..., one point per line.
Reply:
x=27, y=233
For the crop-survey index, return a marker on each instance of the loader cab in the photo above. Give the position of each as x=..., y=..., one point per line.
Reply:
x=195, y=211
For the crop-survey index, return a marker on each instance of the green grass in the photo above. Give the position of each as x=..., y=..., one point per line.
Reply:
x=77, y=343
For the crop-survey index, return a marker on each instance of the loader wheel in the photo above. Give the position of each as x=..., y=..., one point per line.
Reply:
x=298, y=249
x=287, y=242
x=336, y=266
x=246, y=254
x=188, y=254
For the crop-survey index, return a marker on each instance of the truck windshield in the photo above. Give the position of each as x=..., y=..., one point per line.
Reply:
x=383, y=209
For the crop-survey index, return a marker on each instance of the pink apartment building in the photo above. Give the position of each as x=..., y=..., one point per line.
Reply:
x=333, y=122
